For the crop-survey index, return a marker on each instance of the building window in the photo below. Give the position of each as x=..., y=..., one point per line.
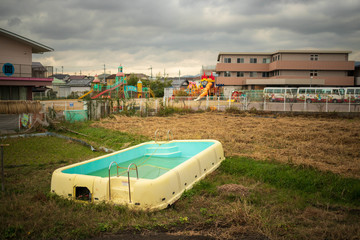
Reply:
x=313, y=73
x=252, y=74
x=253, y=60
x=227, y=74
x=265, y=74
x=314, y=57
x=240, y=60
x=275, y=73
x=276, y=58
x=227, y=60
x=240, y=74
x=266, y=60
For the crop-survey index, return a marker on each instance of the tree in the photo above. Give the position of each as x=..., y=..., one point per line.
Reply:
x=158, y=86
x=132, y=81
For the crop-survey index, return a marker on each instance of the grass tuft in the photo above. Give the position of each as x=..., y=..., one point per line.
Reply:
x=329, y=186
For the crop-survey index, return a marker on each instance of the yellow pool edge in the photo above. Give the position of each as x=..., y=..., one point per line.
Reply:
x=150, y=194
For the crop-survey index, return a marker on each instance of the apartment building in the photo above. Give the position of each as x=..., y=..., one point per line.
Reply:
x=290, y=68
x=19, y=76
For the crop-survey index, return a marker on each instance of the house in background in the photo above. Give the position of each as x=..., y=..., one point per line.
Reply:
x=60, y=88
x=102, y=77
x=140, y=76
x=110, y=80
x=19, y=76
x=80, y=86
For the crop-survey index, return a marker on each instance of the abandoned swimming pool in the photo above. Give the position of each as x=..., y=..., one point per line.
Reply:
x=151, y=175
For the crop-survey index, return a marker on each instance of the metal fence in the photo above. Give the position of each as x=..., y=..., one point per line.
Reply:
x=97, y=109
x=248, y=102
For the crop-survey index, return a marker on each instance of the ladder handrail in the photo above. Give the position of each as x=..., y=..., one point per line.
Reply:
x=137, y=176
x=117, y=174
x=167, y=134
x=156, y=131
x=168, y=137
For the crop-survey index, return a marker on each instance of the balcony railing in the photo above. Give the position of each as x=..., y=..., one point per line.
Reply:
x=25, y=70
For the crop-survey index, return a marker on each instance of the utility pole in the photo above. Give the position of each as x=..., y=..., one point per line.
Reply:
x=62, y=69
x=179, y=74
x=151, y=71
x=104, y=73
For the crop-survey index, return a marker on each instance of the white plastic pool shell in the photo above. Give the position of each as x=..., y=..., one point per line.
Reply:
x=150, y=194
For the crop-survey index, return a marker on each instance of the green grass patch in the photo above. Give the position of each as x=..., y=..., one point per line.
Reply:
x=307, y=181
x=44, y=150
x=101, y=137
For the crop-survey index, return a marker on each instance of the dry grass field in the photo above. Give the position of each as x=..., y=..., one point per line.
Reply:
x=328, y=144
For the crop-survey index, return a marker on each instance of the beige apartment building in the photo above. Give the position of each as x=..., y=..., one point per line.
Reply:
x=284, y=68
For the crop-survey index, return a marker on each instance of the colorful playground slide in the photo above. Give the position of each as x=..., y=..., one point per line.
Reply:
x=205, y=91
x=152, y=93
x=86, y=94
x=107, y=90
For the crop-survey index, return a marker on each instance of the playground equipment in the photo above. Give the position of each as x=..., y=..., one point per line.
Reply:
x=193, y=89
x=118, y=89
x=95, y=86
x=235, y=96
x=86, y=94
x=120, y=80
x=210, y=84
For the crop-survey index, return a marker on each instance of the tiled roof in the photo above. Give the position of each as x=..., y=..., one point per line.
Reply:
x=80, y=83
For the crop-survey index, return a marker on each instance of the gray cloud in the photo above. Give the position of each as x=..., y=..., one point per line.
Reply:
x=165, y=33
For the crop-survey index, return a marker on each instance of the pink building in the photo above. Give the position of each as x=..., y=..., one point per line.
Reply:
x=256, y=70
x=19, y=76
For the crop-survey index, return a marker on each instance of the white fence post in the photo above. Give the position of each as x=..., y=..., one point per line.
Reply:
x=229, y=101
x=207, y=102
x=284, y=102
x=264, y=103
x=156, y=106
x=218, y=105
x=140, y=106
x=327, y=108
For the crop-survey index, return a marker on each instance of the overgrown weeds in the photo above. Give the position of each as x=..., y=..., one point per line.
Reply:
x=244, y=198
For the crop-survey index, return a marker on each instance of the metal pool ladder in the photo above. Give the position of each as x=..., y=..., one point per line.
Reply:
x=167, y=134
x=137, y=176
x=117, y=174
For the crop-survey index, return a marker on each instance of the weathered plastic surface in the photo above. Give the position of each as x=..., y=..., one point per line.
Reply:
x=146, y=193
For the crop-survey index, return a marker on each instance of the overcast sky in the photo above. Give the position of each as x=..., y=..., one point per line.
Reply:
x=177, y=34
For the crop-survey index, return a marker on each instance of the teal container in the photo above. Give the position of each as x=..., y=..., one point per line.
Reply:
x=75, y=115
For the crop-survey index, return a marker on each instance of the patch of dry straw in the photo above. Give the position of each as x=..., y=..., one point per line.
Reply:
x=326, y=144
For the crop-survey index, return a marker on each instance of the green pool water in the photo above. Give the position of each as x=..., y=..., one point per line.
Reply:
x=148, y=167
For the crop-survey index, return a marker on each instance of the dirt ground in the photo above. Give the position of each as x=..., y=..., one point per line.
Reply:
x=328, y=144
